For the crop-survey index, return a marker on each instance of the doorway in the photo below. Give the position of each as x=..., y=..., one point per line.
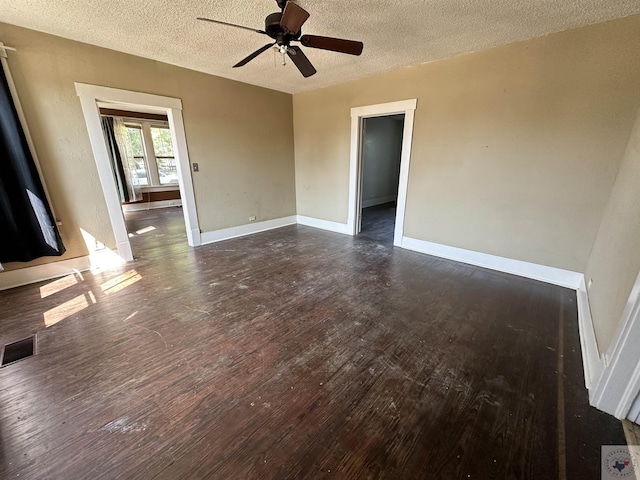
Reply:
x=90, y=98
x=381, y=156
x=359, y=117
x=143, y=161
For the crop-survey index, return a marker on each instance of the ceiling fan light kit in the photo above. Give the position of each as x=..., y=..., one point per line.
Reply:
x=285, y=27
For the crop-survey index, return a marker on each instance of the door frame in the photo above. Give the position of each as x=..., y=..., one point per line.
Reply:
x=172, y=107
x=358, y=114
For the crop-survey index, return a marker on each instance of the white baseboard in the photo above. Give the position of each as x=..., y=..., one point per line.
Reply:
x=372, y=202
x=195, y=237
x=555, y=276
x=248, y=229
x=591, y=359
x=324, y=224
x=39, y=273
x=136, y=207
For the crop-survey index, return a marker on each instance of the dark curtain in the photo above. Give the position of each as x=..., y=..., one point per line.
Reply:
x=27, y=227
x=116, y=158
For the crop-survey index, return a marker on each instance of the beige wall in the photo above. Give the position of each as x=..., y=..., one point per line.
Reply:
x=615, y=260
x=515, y=149
x=241, y=135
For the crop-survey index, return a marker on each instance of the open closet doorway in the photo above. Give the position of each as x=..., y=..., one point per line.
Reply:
x=143, y=160
x=381, y=155
x=146, y=164
x=377, y=178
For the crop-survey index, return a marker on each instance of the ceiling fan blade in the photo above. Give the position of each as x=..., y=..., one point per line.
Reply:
x=334, y=44
x=230, y=25
x=293, y=17
x=253, y=55
x=301, y=61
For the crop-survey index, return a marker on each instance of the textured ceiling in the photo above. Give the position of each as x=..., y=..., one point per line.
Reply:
x=396, y=33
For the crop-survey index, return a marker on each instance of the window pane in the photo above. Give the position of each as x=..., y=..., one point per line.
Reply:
x=167, y=170
x=163, y=149
x=135, y=150
x=135, y=141
x=138, y=171
x=162, y=142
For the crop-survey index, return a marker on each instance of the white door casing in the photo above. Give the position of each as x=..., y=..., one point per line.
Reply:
x=172, y=107
x=617, y=389
x=406, y=107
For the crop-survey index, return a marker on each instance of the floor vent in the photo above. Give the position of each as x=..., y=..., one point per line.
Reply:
x=15, y=351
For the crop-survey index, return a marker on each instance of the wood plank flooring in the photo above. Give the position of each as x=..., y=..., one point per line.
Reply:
x=294, y=353
x=378, y=223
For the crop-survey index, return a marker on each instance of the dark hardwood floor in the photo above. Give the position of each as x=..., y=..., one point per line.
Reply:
x=294, y=353
x=378, y=223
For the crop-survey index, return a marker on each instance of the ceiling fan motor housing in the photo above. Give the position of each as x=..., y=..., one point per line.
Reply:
x=273, y=28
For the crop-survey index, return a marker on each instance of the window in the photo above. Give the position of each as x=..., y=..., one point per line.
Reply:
x=163, y=149
x=150, y=154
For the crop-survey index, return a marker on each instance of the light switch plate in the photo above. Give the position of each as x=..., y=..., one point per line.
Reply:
x=196, y=167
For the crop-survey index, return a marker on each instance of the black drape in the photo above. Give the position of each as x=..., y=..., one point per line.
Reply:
x=27, y=227
x=116, y=158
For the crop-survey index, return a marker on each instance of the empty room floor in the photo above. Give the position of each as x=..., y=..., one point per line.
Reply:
x=294, y=353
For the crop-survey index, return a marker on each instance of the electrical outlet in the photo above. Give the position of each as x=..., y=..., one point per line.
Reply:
x=196, y=167
x=252, y=218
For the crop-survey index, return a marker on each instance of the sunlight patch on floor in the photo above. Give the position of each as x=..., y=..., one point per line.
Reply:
x=120, y=282
x=145, y=230
x=101, y=257
x=60, y=284
x=71, y=307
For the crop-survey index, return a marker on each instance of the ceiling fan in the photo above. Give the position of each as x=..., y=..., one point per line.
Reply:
x=285, y=27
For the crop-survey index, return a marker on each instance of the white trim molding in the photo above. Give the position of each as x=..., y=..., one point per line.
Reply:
x=555, y=276
x=247, y=229
x=139, y=206
x=592, y=362
x=100, y=258
x=89, y=96
x=358, y=114
x=127, y=98
x=324, y=224
x=47, y=271
x=634, y=413
x=617, y=389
